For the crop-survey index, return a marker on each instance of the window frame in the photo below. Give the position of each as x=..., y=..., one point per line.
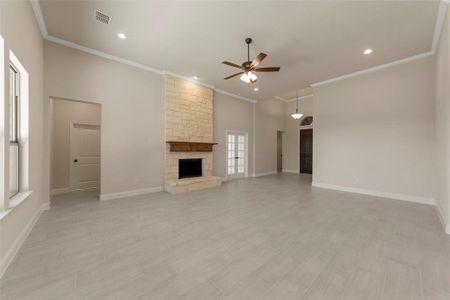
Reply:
x=15, y=140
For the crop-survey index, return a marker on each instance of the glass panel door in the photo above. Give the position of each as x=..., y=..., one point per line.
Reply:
x=236, y=154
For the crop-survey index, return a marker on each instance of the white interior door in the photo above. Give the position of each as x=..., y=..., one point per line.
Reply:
x=236, y=154
x=84, y=156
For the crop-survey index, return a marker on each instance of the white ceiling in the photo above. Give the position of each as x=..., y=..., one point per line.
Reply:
x=311, y=41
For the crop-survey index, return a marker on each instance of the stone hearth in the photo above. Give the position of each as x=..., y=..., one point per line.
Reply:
x=188, y=118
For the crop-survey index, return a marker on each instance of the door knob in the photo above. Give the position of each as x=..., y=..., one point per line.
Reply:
x=75, y=160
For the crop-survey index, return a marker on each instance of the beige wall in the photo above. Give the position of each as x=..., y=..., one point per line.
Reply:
x=443, y=122
x=64, y=113
x=376, y=131
x=291, y=134
x=269, y=117
x=20, y=31
x=132, y=137
x=231, y=114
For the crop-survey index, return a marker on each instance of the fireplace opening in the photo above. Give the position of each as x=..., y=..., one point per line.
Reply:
x=188, y=168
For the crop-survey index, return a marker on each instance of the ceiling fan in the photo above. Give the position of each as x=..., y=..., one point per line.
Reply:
x=249, y=67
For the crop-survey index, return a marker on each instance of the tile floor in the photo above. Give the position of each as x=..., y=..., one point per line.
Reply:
x=272, y=237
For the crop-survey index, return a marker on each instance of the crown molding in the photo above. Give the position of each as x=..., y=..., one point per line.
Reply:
x=299, y=98
x=39, y=17
x=43, y=28
x=380, y=67
x=280, y=98
x=101, y=54
x=235, y=96
x=440, y=20
x=188, y=79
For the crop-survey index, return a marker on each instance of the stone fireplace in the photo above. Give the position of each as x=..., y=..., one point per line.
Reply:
x=189, y=136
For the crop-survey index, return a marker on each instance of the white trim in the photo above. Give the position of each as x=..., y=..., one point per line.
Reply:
x=254, y=138
x=294, y=171
x=14, y=202
x=43, y=28
x=12, y=251
x=39, y=17
x=280, y=98
x=299, y=98
x=4, y=174
x=409, y=198
x=440, y=21
x=138, y=65
x=111, y=196
x=60, y=191
x=380, y=67
x=101, y=54
x=187, y=79
x=264, y=174
x=444, y=224
x=45, y=206
x=235, y=96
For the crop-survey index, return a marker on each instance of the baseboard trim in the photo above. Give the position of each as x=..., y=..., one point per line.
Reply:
x=60, y=191
x=66, y=190
x=12, y=252
x=291, y=171
x=444, y=224
x=112, y=196
x=45, y=206
x=264, y=174
x=409, y=198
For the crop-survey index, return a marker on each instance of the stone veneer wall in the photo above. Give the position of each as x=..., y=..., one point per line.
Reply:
x=188, y=118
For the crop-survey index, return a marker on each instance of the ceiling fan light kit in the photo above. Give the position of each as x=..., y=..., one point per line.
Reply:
x=250, y=67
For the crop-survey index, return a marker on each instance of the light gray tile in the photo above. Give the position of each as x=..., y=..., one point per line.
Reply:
x=272, y=237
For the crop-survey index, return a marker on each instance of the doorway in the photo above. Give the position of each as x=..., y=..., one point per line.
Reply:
x=306, y=151
x=236, y=154
x=74, y=146
x=279, y=151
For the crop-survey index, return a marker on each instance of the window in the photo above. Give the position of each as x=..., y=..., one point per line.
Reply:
x=306, y=121
x=14, y=140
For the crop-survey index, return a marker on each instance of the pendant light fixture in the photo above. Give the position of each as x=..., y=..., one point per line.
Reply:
x=296, y=115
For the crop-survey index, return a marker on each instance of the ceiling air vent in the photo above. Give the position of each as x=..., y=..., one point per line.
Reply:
x=101, y=17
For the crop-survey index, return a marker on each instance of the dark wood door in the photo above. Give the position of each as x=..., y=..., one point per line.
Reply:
x=306, y=151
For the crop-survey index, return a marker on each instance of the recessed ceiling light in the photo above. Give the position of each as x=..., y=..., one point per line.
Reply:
x=122, y=36
x=367, y=51
x=256, y=89
x=195, y=77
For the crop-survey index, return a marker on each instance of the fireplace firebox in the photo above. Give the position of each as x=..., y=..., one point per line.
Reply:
x=188, y=168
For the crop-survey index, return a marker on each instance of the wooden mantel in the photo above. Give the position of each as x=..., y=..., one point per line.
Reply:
x=177, y=146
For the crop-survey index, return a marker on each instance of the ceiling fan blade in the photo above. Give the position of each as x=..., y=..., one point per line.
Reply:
x=232, y=64
x=258, y=59
x=231, y=76
x=267, y=69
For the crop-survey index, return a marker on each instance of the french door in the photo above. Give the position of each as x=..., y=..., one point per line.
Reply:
x=236, y=154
